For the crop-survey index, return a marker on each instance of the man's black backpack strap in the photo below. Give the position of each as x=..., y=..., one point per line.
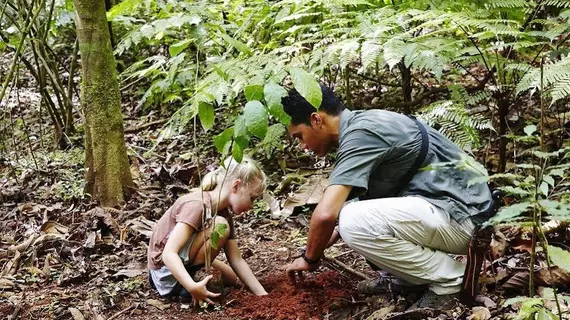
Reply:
x=421, y=157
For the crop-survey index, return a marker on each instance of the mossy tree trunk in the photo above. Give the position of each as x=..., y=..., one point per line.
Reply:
x=107, y=168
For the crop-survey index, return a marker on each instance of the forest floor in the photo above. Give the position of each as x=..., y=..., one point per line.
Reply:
x=64, y=258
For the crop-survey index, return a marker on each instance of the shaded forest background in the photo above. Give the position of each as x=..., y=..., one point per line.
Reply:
x=111, y=110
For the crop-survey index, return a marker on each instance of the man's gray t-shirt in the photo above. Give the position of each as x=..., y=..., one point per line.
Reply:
x=376, y=150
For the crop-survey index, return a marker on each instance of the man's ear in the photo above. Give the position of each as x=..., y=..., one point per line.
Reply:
x=316, y=119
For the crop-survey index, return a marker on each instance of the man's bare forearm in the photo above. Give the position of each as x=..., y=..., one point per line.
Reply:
x=324, y=219
x=320, y=231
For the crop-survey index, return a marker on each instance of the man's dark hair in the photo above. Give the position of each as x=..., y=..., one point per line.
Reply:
x=299, y=109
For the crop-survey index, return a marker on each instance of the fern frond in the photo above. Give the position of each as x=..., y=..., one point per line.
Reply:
x=370, y=52
x=557, y=3
x=553, y=33
x=454, y=121
x=561, y=90
x=478, y=97
x=552, y=73
x=509, y=4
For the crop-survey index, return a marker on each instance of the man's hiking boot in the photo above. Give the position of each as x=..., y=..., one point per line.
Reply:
x=432, y=300
x=387, y=284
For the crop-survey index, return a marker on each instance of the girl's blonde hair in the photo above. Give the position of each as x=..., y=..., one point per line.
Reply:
x=247, y=170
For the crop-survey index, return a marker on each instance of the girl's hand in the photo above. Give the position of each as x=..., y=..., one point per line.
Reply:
x=200, y=294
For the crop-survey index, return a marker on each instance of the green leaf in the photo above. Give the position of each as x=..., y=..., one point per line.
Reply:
x=215, y=239
x=511, y=212
x=515, y=191
x=237, y=152
x=548, y=180
x=514, y=300
x=273, y=138
x=223, y=140
x=206, y=114
x=477, y=180
x=218, y=231
x=559, y=257
x=555, y=208
x=530, y=129
x=253, y=92
x=178, y=47
x=241, y=134
x=256, y=118
x=242, y=47
x=545, y=155
x=528, y=166
x=307, y=86
x=557, y=172
x=544, y=188
x=273, y=94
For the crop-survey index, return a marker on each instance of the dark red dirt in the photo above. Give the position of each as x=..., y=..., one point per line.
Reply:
x=312, y=298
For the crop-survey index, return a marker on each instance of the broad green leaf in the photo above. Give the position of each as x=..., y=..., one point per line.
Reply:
x=528, y=166
x=555, y=208
x=273, y=94
x=307, y=86
x=559, y=257
x=215, y=239
x=273, y=138
x=548, y=180
x=514, y=300
x=242, y=47
x=511, y=212
x=218, y=231
x=548, y=293
x=531, y=306
x=530, y=129
x=256, y=118
x=515, y=191
x=178, y=47
x=206, y=114
x=253, y=92
x=477, y=180
x=241, y=134
x=223, y=140
x=557, y=172
x=545, y=155
x=237, y=152
x=544, y=188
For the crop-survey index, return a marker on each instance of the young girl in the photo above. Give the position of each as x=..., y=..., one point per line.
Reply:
x=177, y=250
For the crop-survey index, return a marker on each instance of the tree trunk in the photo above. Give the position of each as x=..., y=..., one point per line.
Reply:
x=107, y=168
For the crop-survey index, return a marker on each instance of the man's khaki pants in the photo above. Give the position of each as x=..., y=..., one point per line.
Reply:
x=409, y=238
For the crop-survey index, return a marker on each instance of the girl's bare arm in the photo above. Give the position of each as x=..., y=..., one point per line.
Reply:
x=241, y=268
x=176, y=241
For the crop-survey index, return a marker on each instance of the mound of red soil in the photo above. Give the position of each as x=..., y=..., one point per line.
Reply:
x=312, y=298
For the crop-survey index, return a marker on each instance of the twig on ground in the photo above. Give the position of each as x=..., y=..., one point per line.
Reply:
x=336, y=262
x=421, y=313
x=144, y=126
x=116, y=315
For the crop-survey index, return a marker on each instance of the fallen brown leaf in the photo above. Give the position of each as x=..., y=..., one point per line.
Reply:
x=158, y=304
x=480, y=313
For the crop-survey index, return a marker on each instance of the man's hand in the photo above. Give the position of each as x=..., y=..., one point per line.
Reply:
x=296, y=269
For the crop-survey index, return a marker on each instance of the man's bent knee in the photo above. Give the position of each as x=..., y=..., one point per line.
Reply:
x=348, y=222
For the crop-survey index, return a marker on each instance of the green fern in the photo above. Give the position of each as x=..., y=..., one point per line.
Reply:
x=553, y=73
x=510, y=4
x=557, y=3
x=454, y=121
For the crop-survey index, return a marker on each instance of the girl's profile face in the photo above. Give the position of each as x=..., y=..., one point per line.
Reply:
x=243, y=196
